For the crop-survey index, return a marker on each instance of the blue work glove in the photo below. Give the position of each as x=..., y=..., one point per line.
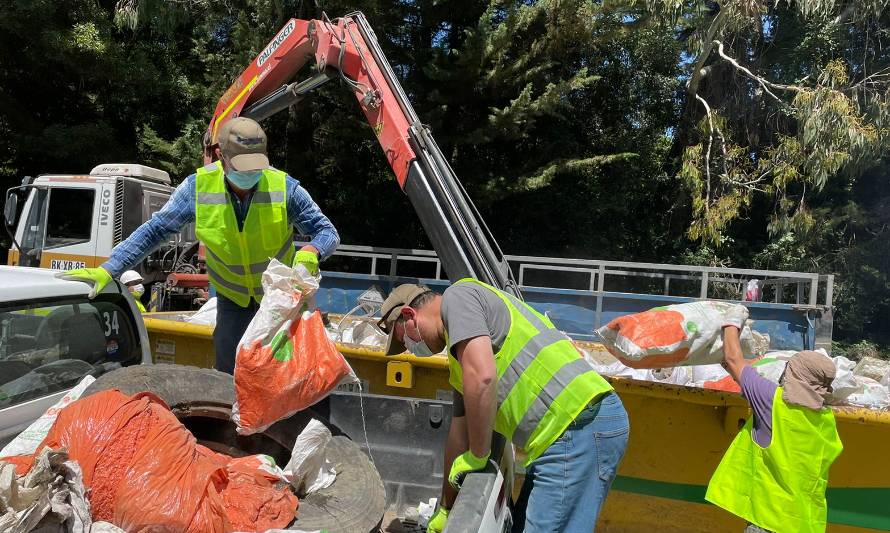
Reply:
x=437, y=521
x=97, y=277
x=463, y=465
x=307, y=259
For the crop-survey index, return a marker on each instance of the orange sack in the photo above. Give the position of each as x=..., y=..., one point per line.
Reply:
x=145, y=471
x=298, y=368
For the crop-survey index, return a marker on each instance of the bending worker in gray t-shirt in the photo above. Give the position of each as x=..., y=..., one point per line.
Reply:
x=525, y=379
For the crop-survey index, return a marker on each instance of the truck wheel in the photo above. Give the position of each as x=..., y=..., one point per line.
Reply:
x=202, y=399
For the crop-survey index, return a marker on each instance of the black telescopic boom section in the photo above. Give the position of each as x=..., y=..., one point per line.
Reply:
x=463, y=242
x=286, y=96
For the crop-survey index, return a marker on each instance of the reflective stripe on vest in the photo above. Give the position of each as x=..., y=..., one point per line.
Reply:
x=780, y=487
x=236, y=259
x=543, y=382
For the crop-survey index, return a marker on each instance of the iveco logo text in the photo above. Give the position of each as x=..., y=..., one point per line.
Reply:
x=276, y=42
x=105, y=207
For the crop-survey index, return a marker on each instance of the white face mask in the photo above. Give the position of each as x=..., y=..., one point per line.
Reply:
x=137, y=290
x=420, y=349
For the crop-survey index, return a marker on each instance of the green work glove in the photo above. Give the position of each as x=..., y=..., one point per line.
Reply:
x=463, y=465
x=97, y=277
x=437, y=521
x=307, y=259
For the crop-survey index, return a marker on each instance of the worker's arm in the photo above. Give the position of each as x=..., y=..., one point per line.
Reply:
x=307, y=217
x=176, y=213
x=456, y=444
x=733, y=360
x=480, y=391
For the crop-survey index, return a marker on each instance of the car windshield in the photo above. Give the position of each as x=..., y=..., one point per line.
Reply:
x=50, y=348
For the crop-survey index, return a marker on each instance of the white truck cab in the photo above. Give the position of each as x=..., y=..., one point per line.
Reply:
x=52, y=336
x=72, y=221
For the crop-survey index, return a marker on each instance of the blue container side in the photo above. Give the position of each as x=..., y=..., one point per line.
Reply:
x=575, y=311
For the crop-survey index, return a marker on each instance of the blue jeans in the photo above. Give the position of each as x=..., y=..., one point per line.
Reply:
x=231, y=323
x=566, y=486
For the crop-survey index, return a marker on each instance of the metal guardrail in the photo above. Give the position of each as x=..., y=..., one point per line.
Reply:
x=810, y=289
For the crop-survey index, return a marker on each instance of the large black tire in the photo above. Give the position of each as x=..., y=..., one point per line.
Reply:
x=354, y=503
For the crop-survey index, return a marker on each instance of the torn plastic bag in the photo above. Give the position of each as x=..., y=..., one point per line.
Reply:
x=872, y=367
x=845, y=382
x=309, y=469
x=873, y=394
x=49, y=498
x=285, y=360
x=205, y=315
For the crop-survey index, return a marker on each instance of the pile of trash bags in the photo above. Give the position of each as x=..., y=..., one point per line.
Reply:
x=143, y=469
x=111, y=462
x=862, y=384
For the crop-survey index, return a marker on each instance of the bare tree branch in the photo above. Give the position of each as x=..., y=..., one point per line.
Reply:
x=707, y=44
x=765, y=84
x=708, y=152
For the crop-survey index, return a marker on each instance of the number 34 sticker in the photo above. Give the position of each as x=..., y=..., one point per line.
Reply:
x=111, y=323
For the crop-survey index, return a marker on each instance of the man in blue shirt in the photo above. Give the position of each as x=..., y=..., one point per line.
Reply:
x=242, y=155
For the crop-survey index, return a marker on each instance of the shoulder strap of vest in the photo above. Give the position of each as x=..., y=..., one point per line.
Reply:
x=273, y=170
x=209, y=168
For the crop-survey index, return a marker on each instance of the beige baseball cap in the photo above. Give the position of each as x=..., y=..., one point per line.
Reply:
x=392, y=309
x=243, y=142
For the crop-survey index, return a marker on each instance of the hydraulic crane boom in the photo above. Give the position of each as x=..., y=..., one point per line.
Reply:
x=346, y=48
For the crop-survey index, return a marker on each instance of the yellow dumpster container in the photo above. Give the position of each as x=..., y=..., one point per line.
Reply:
x=678, y=435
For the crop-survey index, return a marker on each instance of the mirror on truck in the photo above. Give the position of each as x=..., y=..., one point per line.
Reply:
x=11, y=209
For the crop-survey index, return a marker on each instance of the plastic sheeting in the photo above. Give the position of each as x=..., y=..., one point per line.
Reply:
x=144, y=470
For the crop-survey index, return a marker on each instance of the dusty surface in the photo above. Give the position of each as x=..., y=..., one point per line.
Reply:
x=392, y=524
x=597, y=352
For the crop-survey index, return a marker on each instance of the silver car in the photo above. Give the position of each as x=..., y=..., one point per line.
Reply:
x=52, y=336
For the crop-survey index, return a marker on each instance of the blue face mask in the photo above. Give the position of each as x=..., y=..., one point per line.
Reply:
x=244, y=179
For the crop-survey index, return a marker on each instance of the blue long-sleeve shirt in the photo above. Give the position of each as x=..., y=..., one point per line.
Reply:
x=179, y=210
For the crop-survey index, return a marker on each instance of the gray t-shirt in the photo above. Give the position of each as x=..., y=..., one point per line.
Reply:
x=470, y=310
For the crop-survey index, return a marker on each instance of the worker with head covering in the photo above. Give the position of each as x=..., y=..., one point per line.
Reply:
x=775, y=473
x=244, y=212
x=132, y=280
x=517, y=375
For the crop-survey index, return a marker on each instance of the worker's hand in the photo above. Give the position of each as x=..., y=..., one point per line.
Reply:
x=97, y=277
x=736, y=316
x=463, y=465
x=437, y=521
x=307, y=259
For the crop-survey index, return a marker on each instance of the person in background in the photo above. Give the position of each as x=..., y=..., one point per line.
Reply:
x=133, y=282
x=775, y=473
x=244, y=212
x=516, y=374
